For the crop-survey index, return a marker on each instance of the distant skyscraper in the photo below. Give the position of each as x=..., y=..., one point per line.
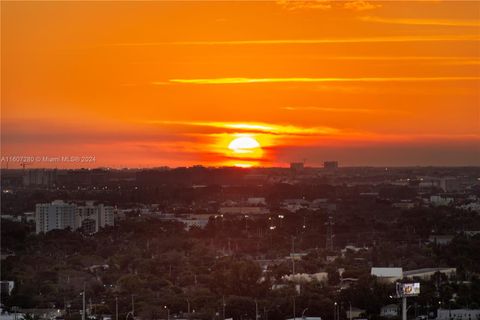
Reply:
x=296, y=166
x=330, y=165
x=62, y=215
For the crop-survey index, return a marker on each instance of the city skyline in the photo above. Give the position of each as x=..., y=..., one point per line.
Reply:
x=241, y=84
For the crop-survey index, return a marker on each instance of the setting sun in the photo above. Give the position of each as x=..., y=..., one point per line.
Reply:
x=244, y=145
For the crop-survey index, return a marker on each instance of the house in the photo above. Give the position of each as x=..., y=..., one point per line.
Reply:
x=6, y=287
x=388, y=275
x=11, y=316
x=471, y=233
x=458, y=314
x=437, y=201
x=389, y=311
x=44, y=313
x=257, y=201
x=346, y=283
x=441, y=239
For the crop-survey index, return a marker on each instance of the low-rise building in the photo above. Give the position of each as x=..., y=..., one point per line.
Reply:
x=389, y=311
x=257, y=201
x=441, y=239
x=29, y=217
x=440, y=201
x=190, y=223
x=458, y=314
x=389, y=275
x=427, y=273
x=404, y=205
x=6, y=287
x=244, y=210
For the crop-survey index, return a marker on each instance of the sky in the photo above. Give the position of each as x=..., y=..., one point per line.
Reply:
x=148, y=84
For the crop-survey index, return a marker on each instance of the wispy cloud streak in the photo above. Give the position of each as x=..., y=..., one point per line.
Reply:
x=420, y=21
x=438, y=38
x=258, y=127
x=213, y=81
x=330, y=109
x=360, y=5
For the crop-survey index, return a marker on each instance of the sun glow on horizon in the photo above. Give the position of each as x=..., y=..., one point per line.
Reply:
x=244, y=151
x=362, y=82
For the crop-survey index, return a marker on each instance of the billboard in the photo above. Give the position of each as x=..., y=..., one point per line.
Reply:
x=408, y=289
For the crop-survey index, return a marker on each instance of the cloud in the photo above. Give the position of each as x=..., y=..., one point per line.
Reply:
x=361, y=5
x=357, y=5
x=329, y=109
x=298, y=5
x=432, y=38
x=252, y=127
x=239, y=80
x=426, y=22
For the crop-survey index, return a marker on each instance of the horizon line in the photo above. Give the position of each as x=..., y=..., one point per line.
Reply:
x=251, y=167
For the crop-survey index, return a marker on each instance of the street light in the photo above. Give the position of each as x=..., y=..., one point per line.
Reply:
x=168, y=312
x=83, y=302
x=116, y=308
x=188, y=306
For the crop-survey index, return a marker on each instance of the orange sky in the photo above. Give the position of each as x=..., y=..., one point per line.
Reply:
x=173, y=83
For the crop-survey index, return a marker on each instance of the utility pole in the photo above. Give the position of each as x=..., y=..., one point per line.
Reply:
x=168, y=312
x=256, y=309
x=90, y=306
x=83, y=302
x=133, y=307
x=15, y=308
x=223, y=307
x=329, y=240
x=116, y=308
x=294, y=307
x=404, y=308
x=293, y=255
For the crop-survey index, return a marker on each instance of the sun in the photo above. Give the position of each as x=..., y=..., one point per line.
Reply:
x=244, y=145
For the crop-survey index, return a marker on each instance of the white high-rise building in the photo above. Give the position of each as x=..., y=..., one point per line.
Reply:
x=92, y=217
x=55, y=215
x=61, y=215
